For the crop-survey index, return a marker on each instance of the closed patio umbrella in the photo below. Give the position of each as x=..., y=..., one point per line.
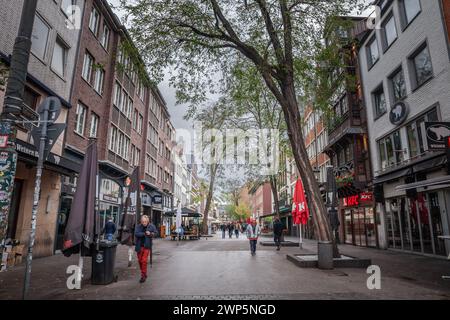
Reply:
x=83, y=227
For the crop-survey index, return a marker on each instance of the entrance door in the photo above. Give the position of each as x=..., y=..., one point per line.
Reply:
x=63, y=217
x=15, y=206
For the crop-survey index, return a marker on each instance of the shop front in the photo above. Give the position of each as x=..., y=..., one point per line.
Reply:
x=358, y=223
x=416, y=209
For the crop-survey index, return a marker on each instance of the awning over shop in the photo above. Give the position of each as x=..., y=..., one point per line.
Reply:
x=393, y=175
x=185, y=212
x=443, y=181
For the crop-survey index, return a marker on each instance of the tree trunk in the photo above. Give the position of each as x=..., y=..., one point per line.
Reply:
x=213, y=170
x=288, y=102
x=274, y=187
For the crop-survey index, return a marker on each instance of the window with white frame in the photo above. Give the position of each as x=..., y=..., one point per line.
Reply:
x=39, y=37
x=105, y=36
x=390, y=150
x=94, y=21
x=140, y=124
x=135, y=119
x=80, y=119
x=415, y=132
x=99, y=80
x=94, y=125
x=88, y=66
x=59, y=57
x=117, y=95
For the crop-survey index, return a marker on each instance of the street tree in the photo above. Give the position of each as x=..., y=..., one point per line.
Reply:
x=201, y=39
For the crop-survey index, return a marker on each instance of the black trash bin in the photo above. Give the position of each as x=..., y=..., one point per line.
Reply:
x=103, y=261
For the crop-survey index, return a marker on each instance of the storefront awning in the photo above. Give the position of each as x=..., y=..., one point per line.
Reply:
x=392, y=175
x=185, y=212
x=443, y=181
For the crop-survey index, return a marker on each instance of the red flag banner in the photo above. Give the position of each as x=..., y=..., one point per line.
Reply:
x=300, y=211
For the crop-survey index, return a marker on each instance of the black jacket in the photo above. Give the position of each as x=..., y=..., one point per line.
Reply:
x=142, y=238
x=278, y=228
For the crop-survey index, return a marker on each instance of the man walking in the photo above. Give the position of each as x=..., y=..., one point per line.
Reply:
x=253, y=231
x=230, y=230
x=278, y=228
x=144, y=234
x=236, y=230
x=224, y=229
x=110, y=229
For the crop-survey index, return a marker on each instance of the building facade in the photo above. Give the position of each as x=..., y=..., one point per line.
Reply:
x=405, y=71
x=51, y=70
x=347, y=146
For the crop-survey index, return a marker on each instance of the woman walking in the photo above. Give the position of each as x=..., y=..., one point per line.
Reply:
x=253, y=231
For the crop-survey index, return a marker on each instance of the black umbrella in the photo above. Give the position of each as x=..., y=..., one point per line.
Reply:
x=82, y=227
x=132, y=210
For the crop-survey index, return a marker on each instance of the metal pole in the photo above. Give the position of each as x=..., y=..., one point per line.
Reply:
x=300, y=244
x=37, y=191
x=13, y=106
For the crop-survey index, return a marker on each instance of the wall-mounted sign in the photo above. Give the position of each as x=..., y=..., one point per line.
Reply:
x=366, y=197
x=351, y=201
x=437, y=133
x=398, y=113
x=356, y=200
x=157, y=199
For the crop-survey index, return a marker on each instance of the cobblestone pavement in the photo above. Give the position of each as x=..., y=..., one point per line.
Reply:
x=216, y=268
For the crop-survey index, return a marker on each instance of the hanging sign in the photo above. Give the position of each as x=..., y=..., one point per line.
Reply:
x=436, y=133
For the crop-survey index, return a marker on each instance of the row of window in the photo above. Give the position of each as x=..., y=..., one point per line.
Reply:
x=421, y=70
x=42, y=33
x=391, y=150
x=93, y=73
x=409, y=9
x=122, y=100
x=94, y=26
x=81, y=119
x=119, y=143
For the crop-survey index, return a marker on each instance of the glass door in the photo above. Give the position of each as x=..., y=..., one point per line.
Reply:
x=348, y=227
x=370, y=227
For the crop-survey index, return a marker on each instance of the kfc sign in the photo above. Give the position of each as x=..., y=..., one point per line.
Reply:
x=351, y=201
x=358, y=199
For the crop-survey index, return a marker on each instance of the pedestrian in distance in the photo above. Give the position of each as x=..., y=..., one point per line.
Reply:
x=278, y=228
x=109, y=229
x=224, y=229
x=144, y=234
x=236, y=230
x=253, y=231
x=230, y=230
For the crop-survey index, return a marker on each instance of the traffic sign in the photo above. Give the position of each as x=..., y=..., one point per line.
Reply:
x=53, y=132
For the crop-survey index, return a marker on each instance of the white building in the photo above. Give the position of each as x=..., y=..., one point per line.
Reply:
x=405, y=70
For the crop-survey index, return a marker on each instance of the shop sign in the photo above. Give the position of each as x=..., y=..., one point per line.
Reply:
x=398, y=113
x=157, y=199
x=110, y=199
x=366, y=197
x=437, y=133
x=351, y=201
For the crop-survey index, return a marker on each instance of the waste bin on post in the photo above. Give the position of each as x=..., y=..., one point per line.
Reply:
x=103, y=261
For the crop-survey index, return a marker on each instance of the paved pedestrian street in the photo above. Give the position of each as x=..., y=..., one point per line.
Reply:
x=216, y=268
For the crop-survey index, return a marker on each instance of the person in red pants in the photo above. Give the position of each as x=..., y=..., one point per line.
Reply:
x=144, y=234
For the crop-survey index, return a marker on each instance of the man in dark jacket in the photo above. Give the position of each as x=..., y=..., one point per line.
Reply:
x=144, y=233
x=278, y=228
x=110, y=229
